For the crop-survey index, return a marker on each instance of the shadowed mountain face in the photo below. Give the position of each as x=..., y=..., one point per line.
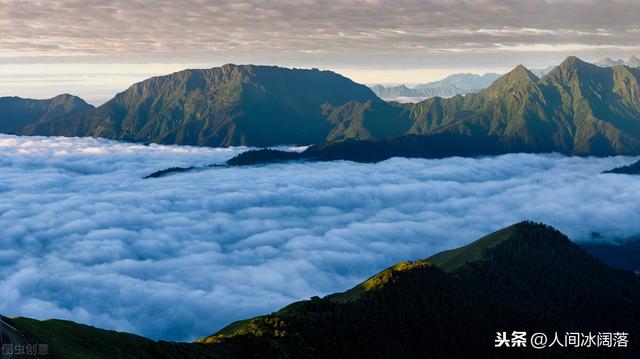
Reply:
x=371, y=151
x=577, y=108
x=233, y=105
x=16, y=112
x=527, y=277
x=623, y=254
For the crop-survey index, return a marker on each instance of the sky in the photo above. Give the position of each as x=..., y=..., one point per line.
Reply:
x=84, y=237
x=95, y=48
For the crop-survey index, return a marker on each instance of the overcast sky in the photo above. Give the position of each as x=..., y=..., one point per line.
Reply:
x=97, y=47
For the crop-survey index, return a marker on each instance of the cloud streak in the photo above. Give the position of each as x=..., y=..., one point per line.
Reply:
x=193, y=30
x=370, y=41
x=83, y=237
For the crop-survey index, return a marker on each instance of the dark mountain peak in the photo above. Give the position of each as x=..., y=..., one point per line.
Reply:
x=454, y=259
x=632, y=169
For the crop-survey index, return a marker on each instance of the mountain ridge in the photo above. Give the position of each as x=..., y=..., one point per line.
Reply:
x=17, y=112
x=222, y=106
x=577, y=109
x=527, y=276
x=452, y=85
x=631, y=61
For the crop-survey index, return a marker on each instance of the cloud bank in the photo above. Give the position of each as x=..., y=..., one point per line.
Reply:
x=83, y=237
x=348, y=31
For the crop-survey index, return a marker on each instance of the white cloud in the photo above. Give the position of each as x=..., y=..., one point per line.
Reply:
x=84, y=237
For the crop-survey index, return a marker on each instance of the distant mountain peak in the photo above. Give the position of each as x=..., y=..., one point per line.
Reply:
x=632, y=61
x=608, y=62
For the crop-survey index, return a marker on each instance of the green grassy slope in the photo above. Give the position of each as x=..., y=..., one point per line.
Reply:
x=577, y=108
x=223, y=106
x=82, y=341
x=527, y=276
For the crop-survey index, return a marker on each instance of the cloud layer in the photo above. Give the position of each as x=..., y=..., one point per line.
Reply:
x=57, y=46
x=83, y=237
x=344, y=30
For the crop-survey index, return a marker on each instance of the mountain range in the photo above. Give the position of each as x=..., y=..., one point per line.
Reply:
x=224, y=106
x=456, y=84
x=16, y=112
x=464, y=83
x=632, y=61
x=527, y=277
x=577, y=108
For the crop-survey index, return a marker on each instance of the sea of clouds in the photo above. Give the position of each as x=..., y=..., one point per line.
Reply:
x=84, y=237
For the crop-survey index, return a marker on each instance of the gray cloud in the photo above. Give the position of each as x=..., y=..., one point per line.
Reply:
x=331, y=33
x=83, y=237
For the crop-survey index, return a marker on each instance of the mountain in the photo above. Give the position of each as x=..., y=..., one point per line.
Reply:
x=16, y=112
x=526, y=277
x=632, y=169
x=577, y=108
x=456, y=84
x=464, y=82
x=391, y=93
x=632, y=61
x=608, y=62
x=231, y=105
x=543, y=70
x=376, y=150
